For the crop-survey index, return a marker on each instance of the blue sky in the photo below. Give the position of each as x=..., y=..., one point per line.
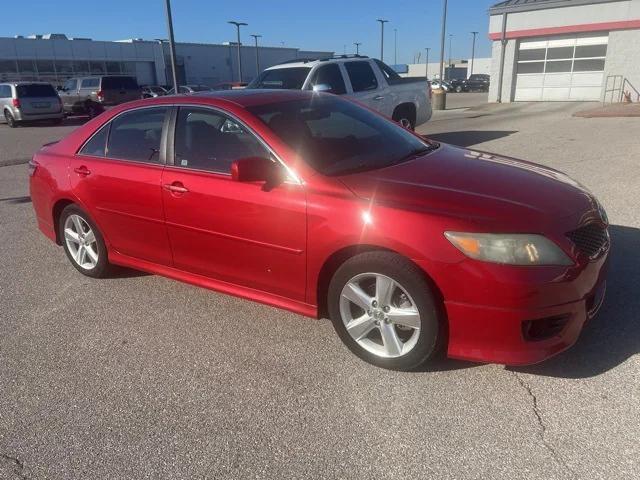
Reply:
x=315, y=24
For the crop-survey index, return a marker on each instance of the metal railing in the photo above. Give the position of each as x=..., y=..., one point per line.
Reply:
x=619, y=89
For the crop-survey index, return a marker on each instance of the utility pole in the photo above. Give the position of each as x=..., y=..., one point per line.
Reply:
x=238, y=25
x=426, y=64
x=395, y=46
x=256, y=37
x=357, y=44
x=450, y=39
x=442, y=38
x=473, y=51
x=382, y=22
x=172, y=47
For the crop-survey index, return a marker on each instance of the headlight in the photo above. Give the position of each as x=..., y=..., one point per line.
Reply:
x=509, y=248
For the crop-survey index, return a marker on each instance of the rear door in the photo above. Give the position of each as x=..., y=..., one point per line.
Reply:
x=116, y=175
x=365, y=85
x=37, y=99
x=69, y=94
x=237, y=232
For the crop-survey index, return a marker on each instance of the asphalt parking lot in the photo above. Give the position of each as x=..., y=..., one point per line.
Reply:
x=138, y=376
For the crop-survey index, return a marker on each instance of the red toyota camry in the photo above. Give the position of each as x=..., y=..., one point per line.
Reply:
x=311, y=203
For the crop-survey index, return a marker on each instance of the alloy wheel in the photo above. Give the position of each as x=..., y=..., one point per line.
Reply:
x=380, y=315
x=81, y=242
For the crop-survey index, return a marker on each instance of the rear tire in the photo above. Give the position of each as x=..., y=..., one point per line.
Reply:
x=394, y=321
x=11, y=121
x=83, y=242
x=92, y=109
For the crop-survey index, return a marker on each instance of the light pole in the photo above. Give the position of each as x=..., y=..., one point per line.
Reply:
x=473, y=51
x=382, y=22
x=172, y=47
x=357, y=44
x=238, y=25
x=256, y=37
x=395, y=46
x=442, y=37
x=450, y=40
x=426, y=64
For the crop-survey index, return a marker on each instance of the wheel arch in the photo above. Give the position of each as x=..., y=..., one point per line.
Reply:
x=409, y=108
x=56, y=211
x=336, y=259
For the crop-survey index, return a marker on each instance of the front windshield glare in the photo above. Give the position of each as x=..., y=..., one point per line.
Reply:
x=337, y=137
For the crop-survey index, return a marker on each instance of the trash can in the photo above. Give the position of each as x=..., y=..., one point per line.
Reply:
x=439, y=99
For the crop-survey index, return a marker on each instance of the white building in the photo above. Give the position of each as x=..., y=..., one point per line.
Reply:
x=54, y=58
x=564, y=50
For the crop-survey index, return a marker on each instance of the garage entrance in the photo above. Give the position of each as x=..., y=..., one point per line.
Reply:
x=561, y=69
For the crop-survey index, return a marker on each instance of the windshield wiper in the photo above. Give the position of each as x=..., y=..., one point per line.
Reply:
x=419, y=152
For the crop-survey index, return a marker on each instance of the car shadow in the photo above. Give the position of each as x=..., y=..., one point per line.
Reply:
x=116, y=272
x=16, y=200
x=613, y=336
x=469, y=138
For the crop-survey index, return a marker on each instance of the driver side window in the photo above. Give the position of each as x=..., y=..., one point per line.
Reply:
x=210, y=141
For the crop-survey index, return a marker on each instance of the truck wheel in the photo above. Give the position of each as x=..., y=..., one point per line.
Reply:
x=405, y=115
x=92, y=110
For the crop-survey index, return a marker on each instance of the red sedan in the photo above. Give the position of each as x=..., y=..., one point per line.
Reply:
x=311, y=203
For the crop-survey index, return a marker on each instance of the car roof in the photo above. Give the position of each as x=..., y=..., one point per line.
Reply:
x=310, y=63
x=242, y=97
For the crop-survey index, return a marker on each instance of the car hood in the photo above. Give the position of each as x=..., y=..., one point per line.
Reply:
x=474, y=185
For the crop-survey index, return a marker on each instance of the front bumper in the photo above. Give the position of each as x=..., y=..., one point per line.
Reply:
x=491, y=310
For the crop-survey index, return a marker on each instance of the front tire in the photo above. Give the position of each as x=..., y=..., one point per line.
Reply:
x=383, y=309
x=83, y=242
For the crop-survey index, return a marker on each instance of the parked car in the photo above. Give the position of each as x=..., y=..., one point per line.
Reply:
x=152, y=91
x=230, y=85
x=445, y=85
x=89, y=95
x=29, y=101
x=315, y=204
x=477, y=82
x=371, y=82
x=186, y=89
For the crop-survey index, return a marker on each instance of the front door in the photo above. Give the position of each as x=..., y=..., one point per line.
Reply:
x=117, y=174
x=69, y=94
x=236, y=232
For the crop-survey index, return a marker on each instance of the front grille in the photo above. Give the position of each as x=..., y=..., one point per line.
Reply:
x=590, y=239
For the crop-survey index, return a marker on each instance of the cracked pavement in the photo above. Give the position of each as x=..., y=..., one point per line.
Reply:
x=138, y=376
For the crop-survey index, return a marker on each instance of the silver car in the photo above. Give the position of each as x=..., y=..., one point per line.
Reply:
x=29, y=101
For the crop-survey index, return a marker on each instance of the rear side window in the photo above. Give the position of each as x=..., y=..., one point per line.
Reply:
x=136, y=135
x=119, y=83
x=5, y=91
x=330, y=75
x=89, y=83
x=361, y=76
x=388, y=72
x=96, y=146
x=282, y=78
x=35, y=90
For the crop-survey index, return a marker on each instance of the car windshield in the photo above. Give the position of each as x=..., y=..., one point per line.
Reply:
x=35, y=90
x=282, y=78
x=337, y=137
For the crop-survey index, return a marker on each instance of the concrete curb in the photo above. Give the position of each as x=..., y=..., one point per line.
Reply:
x=14, y=161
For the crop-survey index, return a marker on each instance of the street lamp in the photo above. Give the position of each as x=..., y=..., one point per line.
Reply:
x=382, y=22
x=256, y=37
x=473, y=51
x=442, y=38
x=426, y=64
x=357, y=44
x=172, y=47
x=238, y=25
x=395, y=46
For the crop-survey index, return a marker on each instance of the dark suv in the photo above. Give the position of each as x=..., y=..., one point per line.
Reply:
x=91, y=94
x=477, y=82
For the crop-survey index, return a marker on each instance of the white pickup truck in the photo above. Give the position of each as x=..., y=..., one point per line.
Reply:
x=370, y=81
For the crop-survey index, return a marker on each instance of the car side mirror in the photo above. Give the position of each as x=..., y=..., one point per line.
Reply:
x=322, y=87
x=257, y=169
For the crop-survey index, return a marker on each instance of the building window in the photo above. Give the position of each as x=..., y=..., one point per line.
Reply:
x=8, y=66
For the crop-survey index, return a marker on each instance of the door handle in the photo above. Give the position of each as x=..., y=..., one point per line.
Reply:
x=175, y=187
x=378, y=97
x=82, y=171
